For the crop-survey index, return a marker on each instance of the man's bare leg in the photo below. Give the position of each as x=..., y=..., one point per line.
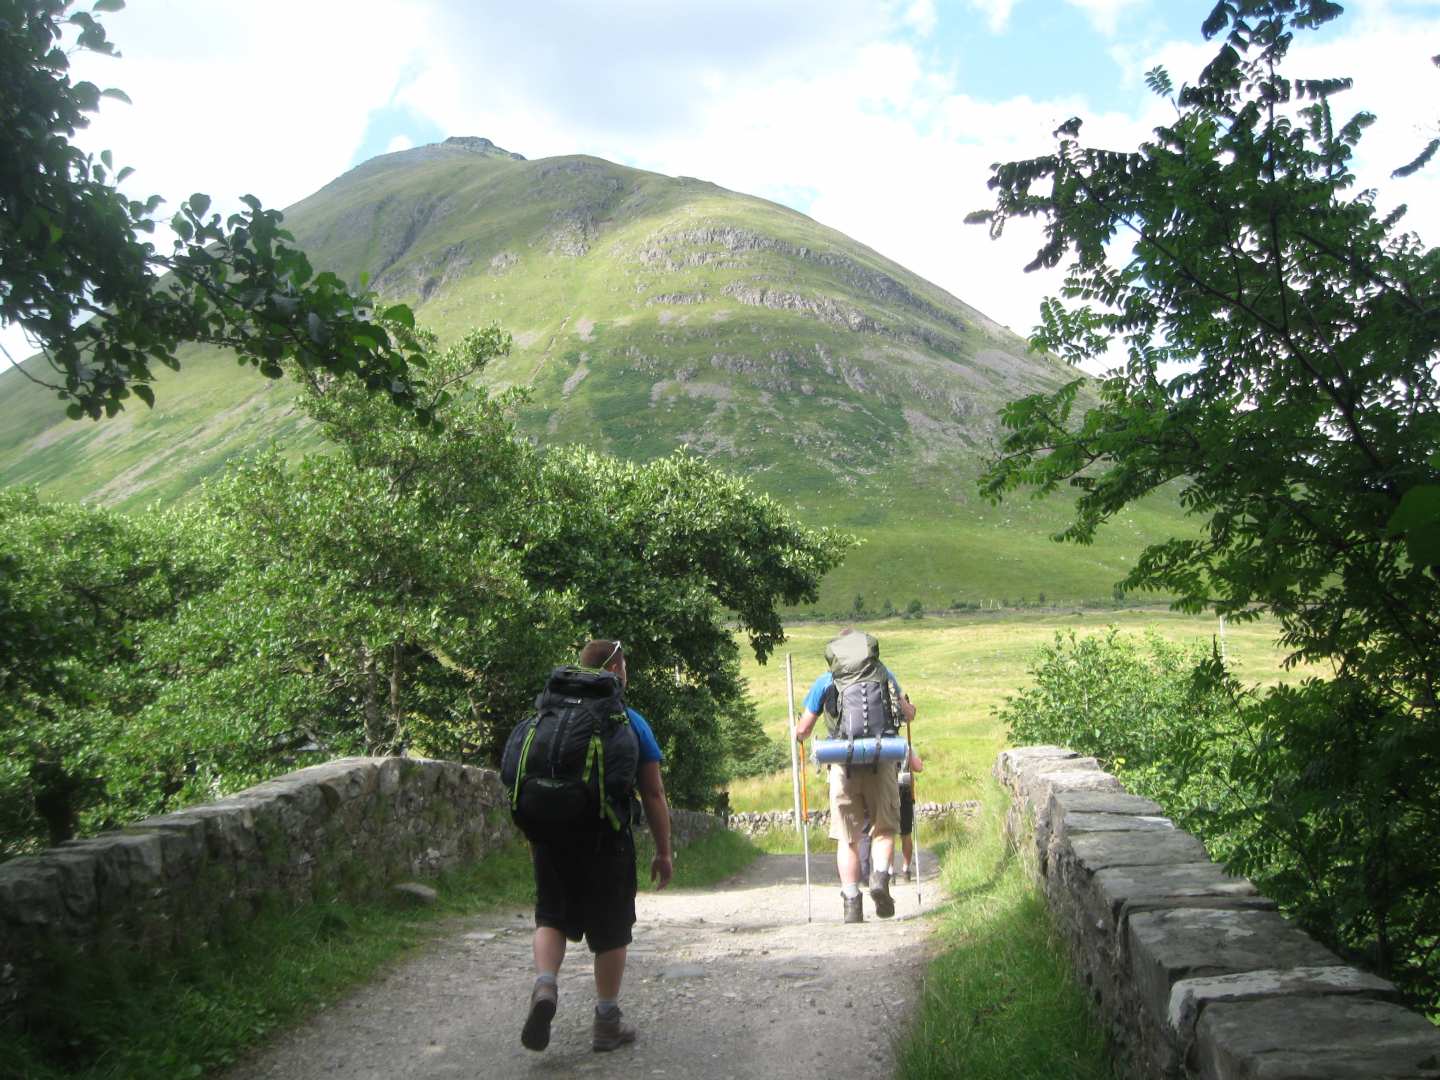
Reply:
x=609, y=1032
x=847, y=861
x=549, y=950
x=609, y=971
x=881, y=850
x=548, y=947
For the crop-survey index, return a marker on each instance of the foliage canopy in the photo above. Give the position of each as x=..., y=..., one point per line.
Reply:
x=78, y=273
x=405, y=591
x=1301, y=428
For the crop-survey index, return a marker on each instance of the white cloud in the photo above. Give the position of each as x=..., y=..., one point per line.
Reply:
x=399, y=142
x=1104, y=15
x=227, y=102
x=822, y=104
x=996, y=12
x=921, y=17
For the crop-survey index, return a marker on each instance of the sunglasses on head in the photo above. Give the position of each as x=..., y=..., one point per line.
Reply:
x=613, y=653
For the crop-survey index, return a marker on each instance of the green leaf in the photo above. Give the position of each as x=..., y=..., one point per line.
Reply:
x=401, y=314
x=1419, y=507
x=199, y=203
x=109, y=5
x=144, y=393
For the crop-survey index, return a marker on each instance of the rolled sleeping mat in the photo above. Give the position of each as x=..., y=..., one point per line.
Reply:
x=859, y=751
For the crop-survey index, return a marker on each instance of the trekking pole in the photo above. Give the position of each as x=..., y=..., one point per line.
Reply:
x=915, y=804
x=797, y=754
x=794, y=745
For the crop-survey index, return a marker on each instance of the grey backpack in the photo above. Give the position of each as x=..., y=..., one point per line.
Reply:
x=863, y=702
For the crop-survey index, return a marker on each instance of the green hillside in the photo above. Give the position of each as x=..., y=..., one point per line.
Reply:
x=649, y=312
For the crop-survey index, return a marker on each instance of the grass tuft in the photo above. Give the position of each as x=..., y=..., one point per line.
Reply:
x=1000, y=1001
x=720, y=855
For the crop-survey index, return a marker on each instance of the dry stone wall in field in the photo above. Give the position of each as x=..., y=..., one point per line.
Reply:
x=1194, y=972
x=754, y=823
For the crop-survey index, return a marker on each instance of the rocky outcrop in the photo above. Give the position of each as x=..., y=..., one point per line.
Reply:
x=1194, y=972
x=677, y=298
x=712, y=245
x=426, y=276
x=824, y=308
x=477, y=145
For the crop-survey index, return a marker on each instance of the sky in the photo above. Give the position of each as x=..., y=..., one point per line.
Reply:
x=879, y=118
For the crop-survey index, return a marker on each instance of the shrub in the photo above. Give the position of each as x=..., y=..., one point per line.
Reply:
x=1292, y=787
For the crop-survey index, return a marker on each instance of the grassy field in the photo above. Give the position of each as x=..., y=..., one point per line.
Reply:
x=959, y=669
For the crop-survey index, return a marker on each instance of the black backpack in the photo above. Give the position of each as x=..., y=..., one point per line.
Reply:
x=862, y=702
x=572, y=765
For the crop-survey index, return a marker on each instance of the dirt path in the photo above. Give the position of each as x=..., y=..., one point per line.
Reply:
x=725, y=982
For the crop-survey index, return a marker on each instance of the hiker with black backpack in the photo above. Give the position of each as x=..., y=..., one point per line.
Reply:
x=865, y=707
x=573, y=770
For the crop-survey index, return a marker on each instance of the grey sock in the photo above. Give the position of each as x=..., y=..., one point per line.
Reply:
x=850, y=888
x=548, y=977
x=607, y=1008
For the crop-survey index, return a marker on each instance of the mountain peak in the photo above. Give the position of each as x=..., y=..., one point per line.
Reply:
x=477, y=145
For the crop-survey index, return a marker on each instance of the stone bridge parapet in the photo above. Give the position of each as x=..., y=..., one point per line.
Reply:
x=346, y=828
x=1195, y=974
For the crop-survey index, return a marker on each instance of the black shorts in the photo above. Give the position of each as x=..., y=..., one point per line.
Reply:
x=585, y=887
x=907, y=810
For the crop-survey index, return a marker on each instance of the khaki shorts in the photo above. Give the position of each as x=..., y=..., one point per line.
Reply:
x=865, y=793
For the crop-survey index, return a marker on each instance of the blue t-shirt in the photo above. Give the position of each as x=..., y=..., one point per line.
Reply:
x=815, y=699
x=649, y=748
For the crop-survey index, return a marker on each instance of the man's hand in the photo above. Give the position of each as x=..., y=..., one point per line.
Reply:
x=662, y=868
x=907, y=709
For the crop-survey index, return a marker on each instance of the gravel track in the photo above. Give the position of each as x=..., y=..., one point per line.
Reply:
x=726, y=982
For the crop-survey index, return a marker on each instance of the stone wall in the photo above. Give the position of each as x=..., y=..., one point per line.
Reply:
x=755, y=823
x=345, y=828
x=1194, y=973
x=686, y=826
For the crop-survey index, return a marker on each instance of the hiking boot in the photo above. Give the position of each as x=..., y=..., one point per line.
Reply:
x=880, y=894
x=854, y=908
x=907, y=874
x=535, y=1035
x=609, y=1033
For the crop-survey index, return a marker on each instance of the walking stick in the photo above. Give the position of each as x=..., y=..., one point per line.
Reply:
x=915, y=801
x=797, y=758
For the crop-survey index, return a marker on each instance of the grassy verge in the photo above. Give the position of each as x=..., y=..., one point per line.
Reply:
x=1000, y=1001
x=703, y=863
x=202, y=1012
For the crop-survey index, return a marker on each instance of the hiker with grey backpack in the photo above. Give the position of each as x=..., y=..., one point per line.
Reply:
x=573, y=770
x=865, y=708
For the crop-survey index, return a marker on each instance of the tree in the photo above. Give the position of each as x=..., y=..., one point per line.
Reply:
x=412, y=590
x=99, y=300
x=1301, y=430
x=78, y=588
